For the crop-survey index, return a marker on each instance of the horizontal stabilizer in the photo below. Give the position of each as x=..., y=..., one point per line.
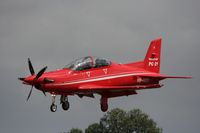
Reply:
x=179, y=77
x=160, y=76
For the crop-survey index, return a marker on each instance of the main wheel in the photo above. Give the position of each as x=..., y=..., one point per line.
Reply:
x=65, y=105
x=104, y=107
x=104, y=104
x=53, y=108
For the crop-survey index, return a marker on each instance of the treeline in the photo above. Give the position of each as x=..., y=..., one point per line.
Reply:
x=120, y=121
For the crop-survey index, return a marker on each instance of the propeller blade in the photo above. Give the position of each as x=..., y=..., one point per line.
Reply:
x=40, y=72
x=30, y=67
x=29, y=93
x=38, y=86
x=22, y=79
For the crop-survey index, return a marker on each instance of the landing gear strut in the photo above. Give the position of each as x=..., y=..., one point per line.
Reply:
x=65, y=103
x=53, y=106
x=104, y=104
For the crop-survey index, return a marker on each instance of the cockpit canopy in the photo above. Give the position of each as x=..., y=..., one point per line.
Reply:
x=87, y=63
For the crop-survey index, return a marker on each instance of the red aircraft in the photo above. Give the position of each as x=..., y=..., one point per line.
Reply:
x=92, y=75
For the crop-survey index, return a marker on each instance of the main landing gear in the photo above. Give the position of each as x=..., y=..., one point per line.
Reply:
x=104, y=104
x=63, y=100
x=65, y=103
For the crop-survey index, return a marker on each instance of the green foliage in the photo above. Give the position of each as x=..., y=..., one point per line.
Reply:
x=75, y=130
x=120, y=121
x=139, y=122
x=94, y=128
x=114, y=121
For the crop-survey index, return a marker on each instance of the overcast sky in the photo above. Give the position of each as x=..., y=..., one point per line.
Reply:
x=55, y=32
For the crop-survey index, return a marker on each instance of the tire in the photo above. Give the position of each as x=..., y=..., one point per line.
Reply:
x=104, y=107
x=53, y=108
x=65, y=106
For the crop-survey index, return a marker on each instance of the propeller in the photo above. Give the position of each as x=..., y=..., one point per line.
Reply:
x=39, y=74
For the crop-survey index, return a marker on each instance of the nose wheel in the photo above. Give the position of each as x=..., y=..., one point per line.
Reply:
x=53, y=108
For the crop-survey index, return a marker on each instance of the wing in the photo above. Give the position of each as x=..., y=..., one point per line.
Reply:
x=112, y=91
x=109, y=88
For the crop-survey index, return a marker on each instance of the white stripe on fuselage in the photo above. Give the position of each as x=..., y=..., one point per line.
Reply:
x=102, y=78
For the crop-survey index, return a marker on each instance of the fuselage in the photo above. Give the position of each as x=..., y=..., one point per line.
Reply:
x=67, y=81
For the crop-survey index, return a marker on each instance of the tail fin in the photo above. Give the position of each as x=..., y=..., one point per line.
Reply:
x=152, y=59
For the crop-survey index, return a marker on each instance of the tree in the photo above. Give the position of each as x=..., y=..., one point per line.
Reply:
x=75, y=130
x=139, y=122
x=94, y=128
x=120, y=121
x=114, y=121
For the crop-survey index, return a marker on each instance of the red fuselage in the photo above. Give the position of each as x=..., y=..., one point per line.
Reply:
x=68, y=82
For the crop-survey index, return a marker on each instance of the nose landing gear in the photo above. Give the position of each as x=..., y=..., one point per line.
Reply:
x=53, y=106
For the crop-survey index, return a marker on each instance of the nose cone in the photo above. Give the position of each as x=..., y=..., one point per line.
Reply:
x=29, y=80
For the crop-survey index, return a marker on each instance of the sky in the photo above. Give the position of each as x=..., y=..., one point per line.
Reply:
x=54, y=32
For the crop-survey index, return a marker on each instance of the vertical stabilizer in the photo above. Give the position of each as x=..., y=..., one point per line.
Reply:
x=152, y=58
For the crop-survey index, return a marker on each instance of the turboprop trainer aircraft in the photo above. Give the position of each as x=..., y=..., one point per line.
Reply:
x=92, y=75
